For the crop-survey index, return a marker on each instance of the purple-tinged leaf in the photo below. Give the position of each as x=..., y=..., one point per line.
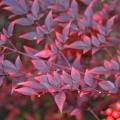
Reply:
x=115, y=65
x=76, y=77
x=78, y=45
x=99, y=70
x=110, y=22
x=10, y=2
x=30, y=51
x=66, y=31
x=15, y=9
x=64, y=3
x=18, y=63
x=89, y=79
x=107, y=65
x=35, y=8
x=62, y=18
x=40, y=65
x=95, y=41
x=75, y=74
x=74, y=9
x=59, y=100
x=57, y=79
x=11, y=28
x=101, y=38
x=31, y=84
x=44, y=54
x=24, y=4
x=107, y=85
x=89, y=14
x=59, y=37
x=67, y=79
x=2, y=39
x=24, y=21
x=29, y=36
x=26, y=91
x=9, y=65
x=87, y=2
x=49, y=21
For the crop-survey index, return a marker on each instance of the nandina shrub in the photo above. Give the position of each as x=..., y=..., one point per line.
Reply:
x=67, y=48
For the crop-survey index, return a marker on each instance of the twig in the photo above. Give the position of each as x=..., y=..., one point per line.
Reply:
x=93, y=113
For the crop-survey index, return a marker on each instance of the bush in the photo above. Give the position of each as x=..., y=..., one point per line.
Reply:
x=67, y=48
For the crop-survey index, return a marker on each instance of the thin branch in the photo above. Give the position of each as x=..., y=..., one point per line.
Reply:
x=93, y=113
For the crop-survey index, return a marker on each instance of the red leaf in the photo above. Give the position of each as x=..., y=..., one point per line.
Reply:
x=44, y=54
x=60, y=99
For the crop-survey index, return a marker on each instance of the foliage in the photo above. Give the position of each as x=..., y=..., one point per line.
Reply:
x=70, y=47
